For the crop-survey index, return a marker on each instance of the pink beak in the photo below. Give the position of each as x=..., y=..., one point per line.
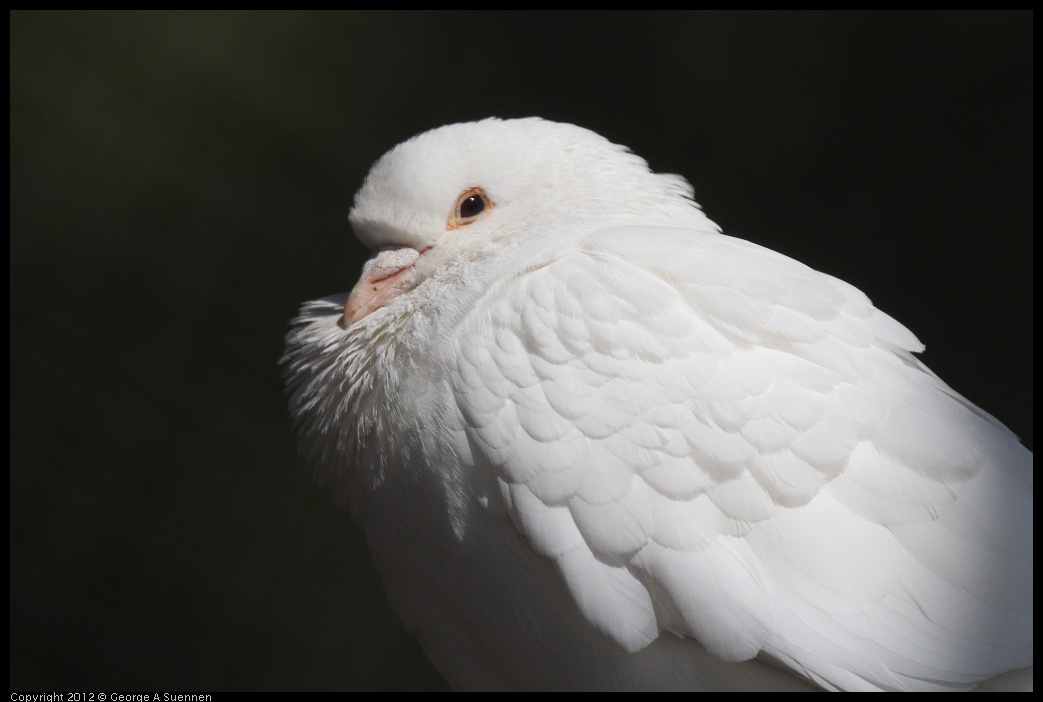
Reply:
x=386, y=275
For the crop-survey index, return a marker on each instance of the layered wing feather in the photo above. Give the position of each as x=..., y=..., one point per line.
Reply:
x=711, y=439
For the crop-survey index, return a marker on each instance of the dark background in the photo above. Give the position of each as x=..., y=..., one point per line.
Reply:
x=180, y=184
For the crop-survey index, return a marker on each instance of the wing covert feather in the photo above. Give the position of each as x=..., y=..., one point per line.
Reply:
x=713, y=439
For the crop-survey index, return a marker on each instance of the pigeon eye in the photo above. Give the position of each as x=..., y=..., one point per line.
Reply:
x=472, y=206
x=471, y=203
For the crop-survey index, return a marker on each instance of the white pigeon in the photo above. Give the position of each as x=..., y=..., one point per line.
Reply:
x=596, y=444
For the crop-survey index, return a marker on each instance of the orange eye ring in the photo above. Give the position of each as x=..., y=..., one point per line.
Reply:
x=471, y=205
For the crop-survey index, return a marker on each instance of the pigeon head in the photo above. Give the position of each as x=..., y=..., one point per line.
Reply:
x=455, y=193
x=536, y=172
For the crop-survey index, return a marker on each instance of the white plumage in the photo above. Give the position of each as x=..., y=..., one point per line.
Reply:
x=596, y=444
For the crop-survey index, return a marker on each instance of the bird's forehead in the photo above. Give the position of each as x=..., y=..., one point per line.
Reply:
x=439, y=162
x=424, y=173
x=408, y=194
x=410, y=191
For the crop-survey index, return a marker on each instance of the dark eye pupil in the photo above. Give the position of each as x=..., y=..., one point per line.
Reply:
x=472, y=206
